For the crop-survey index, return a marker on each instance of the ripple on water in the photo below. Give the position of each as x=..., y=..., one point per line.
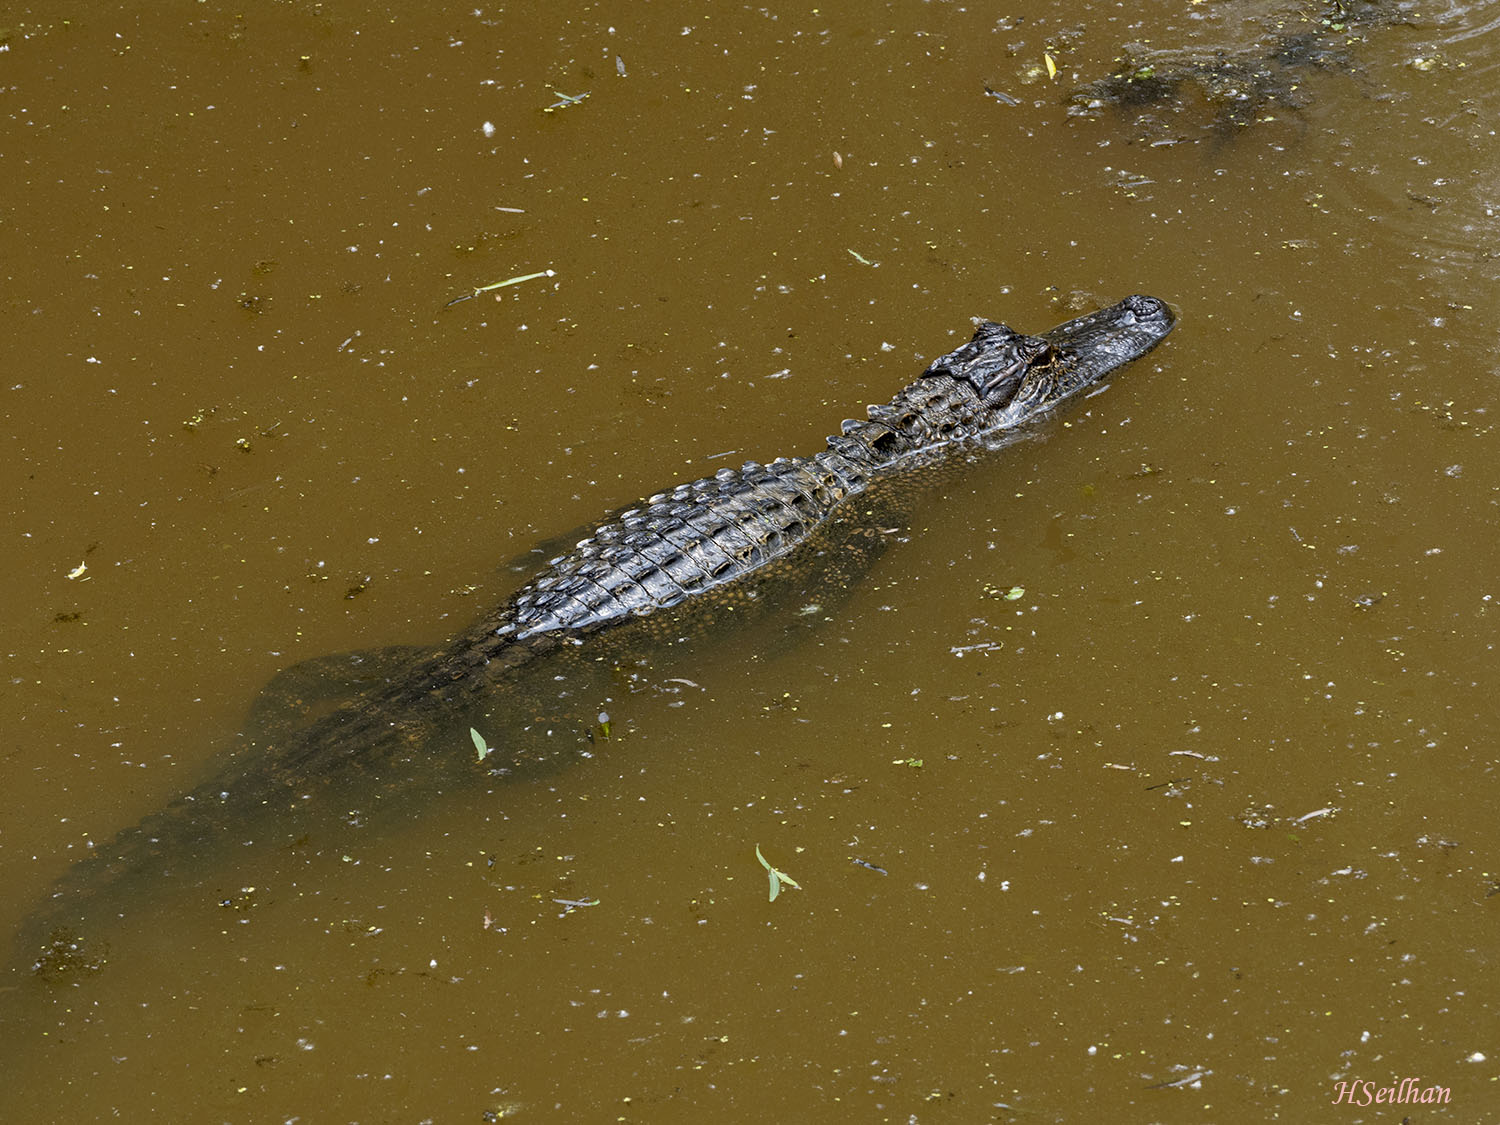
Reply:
x=1425, y=184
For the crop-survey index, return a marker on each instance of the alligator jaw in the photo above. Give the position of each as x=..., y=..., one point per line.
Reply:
x=1092, y=346
x=1081, y=352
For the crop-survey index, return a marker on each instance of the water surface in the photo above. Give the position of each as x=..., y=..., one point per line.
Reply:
x=1202, y=825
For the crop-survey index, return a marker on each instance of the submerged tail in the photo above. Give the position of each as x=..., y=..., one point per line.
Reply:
x=334, y=743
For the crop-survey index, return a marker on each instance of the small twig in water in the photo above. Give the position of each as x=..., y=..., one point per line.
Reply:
x=500, y=285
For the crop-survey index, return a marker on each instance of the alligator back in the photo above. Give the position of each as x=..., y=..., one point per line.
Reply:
x=724, y=528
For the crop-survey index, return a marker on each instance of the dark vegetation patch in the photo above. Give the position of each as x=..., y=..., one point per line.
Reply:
x=1224, y=89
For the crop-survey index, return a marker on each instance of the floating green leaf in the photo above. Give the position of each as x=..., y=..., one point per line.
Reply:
x=480, y=744
x=776, y=877
x=564, y=100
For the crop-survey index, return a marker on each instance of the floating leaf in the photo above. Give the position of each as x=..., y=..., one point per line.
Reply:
x=564, y=100
x=776, y=877
x=480, y=744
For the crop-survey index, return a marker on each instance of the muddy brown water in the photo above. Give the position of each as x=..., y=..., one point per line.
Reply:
x=1205, y=823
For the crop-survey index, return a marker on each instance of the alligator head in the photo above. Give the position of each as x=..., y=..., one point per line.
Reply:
x=1019, y=375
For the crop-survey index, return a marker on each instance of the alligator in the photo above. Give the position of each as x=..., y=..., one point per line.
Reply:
x=362, y=727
